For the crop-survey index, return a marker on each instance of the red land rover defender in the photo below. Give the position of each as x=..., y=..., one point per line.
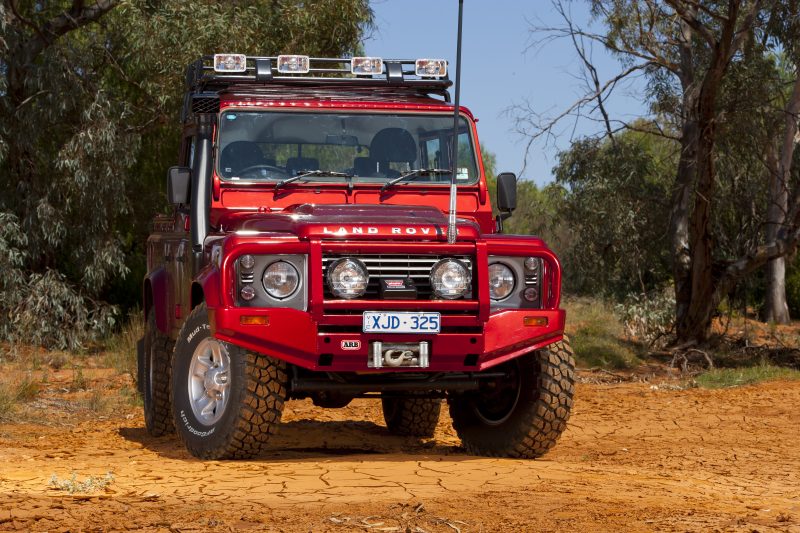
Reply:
x=307, y=256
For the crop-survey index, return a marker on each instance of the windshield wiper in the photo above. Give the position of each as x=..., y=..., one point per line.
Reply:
x=312, y=173
x=413, y=174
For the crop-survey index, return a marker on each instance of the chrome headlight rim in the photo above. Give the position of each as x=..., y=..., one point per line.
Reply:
x=513, y=288
x=467, y=274
x=296, y=285
x=337, y=291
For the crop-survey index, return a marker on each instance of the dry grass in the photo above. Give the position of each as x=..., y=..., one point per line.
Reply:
x=597, y=335
x=15, y=392
x=120, y=348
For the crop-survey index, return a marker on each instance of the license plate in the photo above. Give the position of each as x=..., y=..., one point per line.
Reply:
x=389, y=322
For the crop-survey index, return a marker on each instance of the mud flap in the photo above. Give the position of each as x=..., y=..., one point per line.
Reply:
x=140, y=365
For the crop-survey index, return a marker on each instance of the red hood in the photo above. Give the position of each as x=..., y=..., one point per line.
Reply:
x=352, y=221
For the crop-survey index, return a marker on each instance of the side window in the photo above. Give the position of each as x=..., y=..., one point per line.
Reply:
x=466, y=162
x=433, y=154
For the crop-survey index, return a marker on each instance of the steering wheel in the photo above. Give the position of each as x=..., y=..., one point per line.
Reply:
x=272, y=168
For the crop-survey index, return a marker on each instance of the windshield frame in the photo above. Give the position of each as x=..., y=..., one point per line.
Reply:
x=469, y=124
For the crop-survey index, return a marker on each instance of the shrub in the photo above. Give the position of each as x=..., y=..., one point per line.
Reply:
x=648, y=317
x=43, y=309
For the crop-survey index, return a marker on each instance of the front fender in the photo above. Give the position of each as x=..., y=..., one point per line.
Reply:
x=158, y=298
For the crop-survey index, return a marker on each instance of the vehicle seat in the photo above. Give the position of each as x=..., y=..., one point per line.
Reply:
x=393, y=145
x=301, y=164
x=365, y=166
x=240, y=155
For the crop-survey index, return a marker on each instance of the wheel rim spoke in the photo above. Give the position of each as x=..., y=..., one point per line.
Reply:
x=208, y=380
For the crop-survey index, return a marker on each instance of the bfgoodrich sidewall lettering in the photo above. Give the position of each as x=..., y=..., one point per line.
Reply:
x=191, y=430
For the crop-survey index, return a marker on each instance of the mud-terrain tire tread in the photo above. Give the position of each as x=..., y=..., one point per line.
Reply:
x=158, y=411
x=414, y=417
x=261, y=401
x=540, y=422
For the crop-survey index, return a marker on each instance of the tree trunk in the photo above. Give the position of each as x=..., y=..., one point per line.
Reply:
x=780, y=170
x=684, y=178
x=776, y=309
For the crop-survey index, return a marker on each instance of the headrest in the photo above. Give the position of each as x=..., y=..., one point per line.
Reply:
x=393, y=144
x=239, y=155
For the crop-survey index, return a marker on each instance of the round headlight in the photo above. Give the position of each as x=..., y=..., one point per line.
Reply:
x=501, y=281
x=281, y=279
x=450, y=279
x=348, y=278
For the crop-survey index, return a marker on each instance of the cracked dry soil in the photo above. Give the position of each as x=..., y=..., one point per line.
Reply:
x=634, y=458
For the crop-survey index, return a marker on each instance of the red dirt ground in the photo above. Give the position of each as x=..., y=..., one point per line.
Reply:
x=636, y=457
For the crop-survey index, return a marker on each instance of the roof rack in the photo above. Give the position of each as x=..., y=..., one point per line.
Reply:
x=398, y=77
x=201, y=76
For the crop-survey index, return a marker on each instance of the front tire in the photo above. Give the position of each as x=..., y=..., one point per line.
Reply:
x=226, y=401
x=415, y=417
x=523, y=414
x=156, y=379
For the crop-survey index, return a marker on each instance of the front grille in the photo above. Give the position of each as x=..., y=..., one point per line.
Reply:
x=417, y=267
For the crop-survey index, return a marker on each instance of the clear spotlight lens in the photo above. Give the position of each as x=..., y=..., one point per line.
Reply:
x=531, y=294
x=501, y=281
x=532, y=264
x=348, y=278
x=247, y=262
x=281, y=279
x=450, y=279
x=247, y=293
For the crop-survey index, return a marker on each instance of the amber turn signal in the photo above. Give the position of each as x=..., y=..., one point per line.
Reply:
x=539, y=321
x=247, y=320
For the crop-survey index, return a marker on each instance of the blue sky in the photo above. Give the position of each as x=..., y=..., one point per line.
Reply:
x=497, y=71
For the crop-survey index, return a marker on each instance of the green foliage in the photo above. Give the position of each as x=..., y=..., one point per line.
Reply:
x=648, y=317
x=616, y=211
x=719, y=378
x=537, y=210
x=89, y=123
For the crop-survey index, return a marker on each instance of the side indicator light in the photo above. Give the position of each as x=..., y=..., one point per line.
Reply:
x=538, y=321
x=247, y=320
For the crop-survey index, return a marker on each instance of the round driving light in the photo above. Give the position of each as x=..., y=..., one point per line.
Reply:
x=450, y=279
x=348, y=278
x=247, y=293
x=531, y=294
x=280, y=279
x=501, y=281
x=531, y=263
x=247, y=262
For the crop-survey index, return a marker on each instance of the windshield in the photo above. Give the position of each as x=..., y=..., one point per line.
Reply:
x=369, y=147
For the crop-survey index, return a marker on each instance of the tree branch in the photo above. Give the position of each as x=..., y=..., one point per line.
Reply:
x=77, y=16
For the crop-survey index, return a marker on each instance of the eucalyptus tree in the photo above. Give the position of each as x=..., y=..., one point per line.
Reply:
x=89, y=99
x=690, y=52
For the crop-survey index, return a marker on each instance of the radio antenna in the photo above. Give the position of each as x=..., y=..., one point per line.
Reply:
x=451, y=222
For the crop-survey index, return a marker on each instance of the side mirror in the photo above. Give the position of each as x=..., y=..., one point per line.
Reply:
x=506, y=196
x=178, y=180
x=506, y=192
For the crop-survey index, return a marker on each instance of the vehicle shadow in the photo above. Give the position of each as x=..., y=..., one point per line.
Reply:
x=313, y=439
